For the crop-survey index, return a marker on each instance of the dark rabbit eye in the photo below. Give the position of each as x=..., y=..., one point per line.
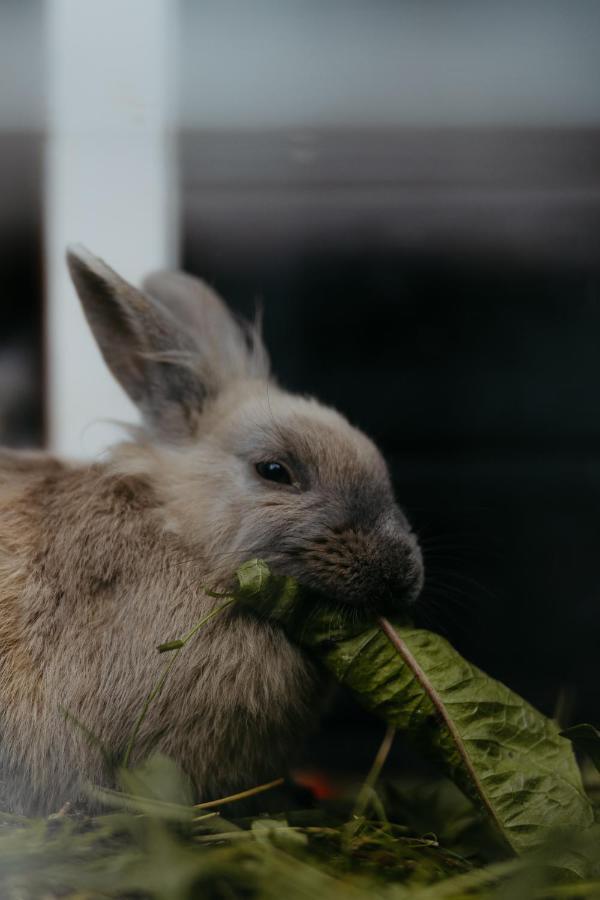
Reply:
x=274, y=471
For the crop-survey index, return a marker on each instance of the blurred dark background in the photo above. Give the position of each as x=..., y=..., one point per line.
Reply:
x=412, y=193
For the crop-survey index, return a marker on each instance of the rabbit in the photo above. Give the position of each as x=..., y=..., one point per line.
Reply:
x=100, y=562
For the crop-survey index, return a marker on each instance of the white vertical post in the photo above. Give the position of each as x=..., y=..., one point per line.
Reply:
x=110, y=184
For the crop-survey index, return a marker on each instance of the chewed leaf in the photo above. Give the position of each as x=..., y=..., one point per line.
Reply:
x=505, y=755
x=271, y=596
x=508, y=758
x=253, y=576
x=587, y=739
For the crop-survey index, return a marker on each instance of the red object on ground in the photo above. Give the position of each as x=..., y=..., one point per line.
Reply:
x=318, y=783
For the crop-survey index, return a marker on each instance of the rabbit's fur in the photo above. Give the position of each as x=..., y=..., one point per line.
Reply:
x=101, y=562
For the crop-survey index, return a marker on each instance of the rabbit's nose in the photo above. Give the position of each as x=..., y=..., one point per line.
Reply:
x=404, y=587
x=401, y=573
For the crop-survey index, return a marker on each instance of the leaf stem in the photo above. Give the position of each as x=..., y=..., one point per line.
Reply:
x=165, y=674
x=366, y=792
x=242, y=795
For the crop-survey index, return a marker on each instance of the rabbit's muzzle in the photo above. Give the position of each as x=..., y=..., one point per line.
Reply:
x=365, y=568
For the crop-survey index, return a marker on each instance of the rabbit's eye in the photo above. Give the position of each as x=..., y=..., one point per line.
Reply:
x=274, y=471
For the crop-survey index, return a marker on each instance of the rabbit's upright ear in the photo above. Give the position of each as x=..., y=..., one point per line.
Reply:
x=226, y=348
x=153, y=351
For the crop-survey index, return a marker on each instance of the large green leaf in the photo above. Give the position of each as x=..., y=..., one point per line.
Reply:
x=508, y=758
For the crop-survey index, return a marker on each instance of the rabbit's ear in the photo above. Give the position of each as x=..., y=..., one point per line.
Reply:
x=226, y=347
x=147, y=348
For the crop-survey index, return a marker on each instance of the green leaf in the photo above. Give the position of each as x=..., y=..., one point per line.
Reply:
x=508, y=758
x=586, y=738
x=253, y=576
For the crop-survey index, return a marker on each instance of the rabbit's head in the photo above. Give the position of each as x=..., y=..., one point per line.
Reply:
x=244, y=469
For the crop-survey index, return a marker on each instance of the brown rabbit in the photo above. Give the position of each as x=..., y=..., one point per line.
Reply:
x=101, y=562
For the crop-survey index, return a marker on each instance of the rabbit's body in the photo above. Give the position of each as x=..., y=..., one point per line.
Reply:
x=100, y=563
x=90, y=583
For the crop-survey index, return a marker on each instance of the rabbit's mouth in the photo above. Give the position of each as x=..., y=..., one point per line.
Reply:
x=380, y=590
x=349, y=571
